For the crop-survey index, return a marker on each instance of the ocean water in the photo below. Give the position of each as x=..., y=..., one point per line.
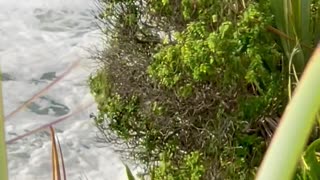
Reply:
x=39, y=40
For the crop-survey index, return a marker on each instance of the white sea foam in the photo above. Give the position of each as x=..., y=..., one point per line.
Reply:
x=39, y=39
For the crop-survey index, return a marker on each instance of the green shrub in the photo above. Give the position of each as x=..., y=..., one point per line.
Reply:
x=190, y=167
x=207, y=99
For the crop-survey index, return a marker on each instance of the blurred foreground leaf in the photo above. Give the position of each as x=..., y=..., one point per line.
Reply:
x=3, y=150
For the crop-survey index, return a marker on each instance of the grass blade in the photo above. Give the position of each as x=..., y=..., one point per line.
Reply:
x=281, y=18
x=293, y=19
x=55, y=160
x=311, y=164
x=302, y=16
x=62, y=160
x=295, y=126
x=3, y=150
x=316, y=21
x=45, y=89
x=129, y=173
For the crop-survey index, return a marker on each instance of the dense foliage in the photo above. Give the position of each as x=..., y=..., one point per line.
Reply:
x=192, y=88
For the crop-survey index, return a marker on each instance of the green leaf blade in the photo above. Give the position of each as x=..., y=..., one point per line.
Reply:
x=3, y=150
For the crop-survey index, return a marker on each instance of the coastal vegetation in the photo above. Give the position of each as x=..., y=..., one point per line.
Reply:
x=195, y=89
x=203, y=89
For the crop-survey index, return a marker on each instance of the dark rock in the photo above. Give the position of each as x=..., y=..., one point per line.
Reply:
x=7, y=77
x=48, y=76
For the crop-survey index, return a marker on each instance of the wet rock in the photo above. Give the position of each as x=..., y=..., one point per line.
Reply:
x=51, y=108
x=48, y=76
x=7, y=77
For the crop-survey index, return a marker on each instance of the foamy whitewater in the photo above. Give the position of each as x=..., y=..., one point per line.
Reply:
x=39, y=40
